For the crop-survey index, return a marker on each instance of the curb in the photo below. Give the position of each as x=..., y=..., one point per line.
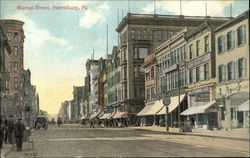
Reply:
x=198, y=135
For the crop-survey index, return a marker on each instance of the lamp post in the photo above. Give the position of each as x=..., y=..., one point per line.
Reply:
x=179, y=93
x=166, y=101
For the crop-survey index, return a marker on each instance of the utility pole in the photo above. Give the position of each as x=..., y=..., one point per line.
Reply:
x=179, y=93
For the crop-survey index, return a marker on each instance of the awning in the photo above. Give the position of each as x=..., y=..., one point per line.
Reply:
x=105, y=116
x=112, y=115
x=121, y=115
x=151, y=109
x=100, y=115
x=199, y=109
x=94, y=115
x=244, y=106
x=174, y=103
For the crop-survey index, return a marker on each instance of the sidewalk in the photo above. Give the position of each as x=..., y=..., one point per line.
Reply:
x=239, y=133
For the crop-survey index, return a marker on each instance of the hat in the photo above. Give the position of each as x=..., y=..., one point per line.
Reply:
x=19, y=119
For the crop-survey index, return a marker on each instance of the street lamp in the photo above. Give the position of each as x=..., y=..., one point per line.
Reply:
x=179, y=93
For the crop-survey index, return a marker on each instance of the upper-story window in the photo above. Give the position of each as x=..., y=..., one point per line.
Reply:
x=220, y=44
x=230, y=71
x=191, y=76
x=15, y=66
x=241, y=67
x=152, y=72
x=164, y=35
x=132, y=34
x=16, y=50
x=138, y=34
x=16, y=36
x=191, y=51
x=16, y=82
x=152, y=93
x=206, y=71
x=148, y=93
x=221, y=73
x=197, y=74
x=229, y=40
x=144, y=34
x=197, y=48
x=206, y=42
x=240, y=35
x=143, y=53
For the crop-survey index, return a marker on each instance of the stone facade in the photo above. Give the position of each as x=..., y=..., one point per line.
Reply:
x=232, y=70
x=16, y=37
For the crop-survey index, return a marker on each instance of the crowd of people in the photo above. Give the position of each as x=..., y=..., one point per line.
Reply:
x=96, y=122
x=12, y=132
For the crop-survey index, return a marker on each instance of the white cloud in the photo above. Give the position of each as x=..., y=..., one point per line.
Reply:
x=94, y=16
x=194, y=8
x=34, y=35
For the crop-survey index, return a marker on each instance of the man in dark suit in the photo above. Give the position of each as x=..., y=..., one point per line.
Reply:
x=19, y=133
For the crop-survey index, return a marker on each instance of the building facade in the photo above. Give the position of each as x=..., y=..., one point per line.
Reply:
x=232, y=70
x=14, y=29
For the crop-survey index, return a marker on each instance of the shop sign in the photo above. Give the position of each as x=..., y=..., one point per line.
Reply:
x=200, y=90
x=202, y=97
x=199, y=60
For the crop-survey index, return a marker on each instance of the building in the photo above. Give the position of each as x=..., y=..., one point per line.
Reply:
x=78, y=97
x=201, y=73
x=7, y=98
x=142, y=34
x=163, y=70
x=14, y=30
x=232, y=69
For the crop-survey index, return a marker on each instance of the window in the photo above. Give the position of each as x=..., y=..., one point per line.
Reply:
x=135, y=53
x=206, y=71
x=15, y=36
x=16, y=50
x=197, y=74
x=190, y=76
x=220, y=44
x=230, y=71
x=147, y=76
x=241, y=67
x=221, y=73
x=16, y=82
x=206, y=44
x=222, y=113
x=229, y=40
x=152, y=73
x=144, y=34
x=197, y=48
x=148, y=93
x=240, y=35
x=164, y=35
x=135, y=71
x=190, y=51
x=143, y=53
x=142, y=71
x=152, y=92
x=132, y=34
x=138, y=36
x=15, y=66
x=142, y=92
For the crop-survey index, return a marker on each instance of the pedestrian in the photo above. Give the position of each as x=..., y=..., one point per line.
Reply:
x=10, y=130
x=192, y=122
x=5, y=120
x=2, y=129
x=19, y=133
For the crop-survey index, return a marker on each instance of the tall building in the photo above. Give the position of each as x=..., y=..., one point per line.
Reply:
x=14, y=29
x=5, y=96
x=232, y=70
x=140, y=35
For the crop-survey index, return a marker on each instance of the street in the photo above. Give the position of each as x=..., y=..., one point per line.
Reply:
x=75, y=140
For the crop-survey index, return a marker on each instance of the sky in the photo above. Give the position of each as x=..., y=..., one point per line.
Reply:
x=59, y=42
